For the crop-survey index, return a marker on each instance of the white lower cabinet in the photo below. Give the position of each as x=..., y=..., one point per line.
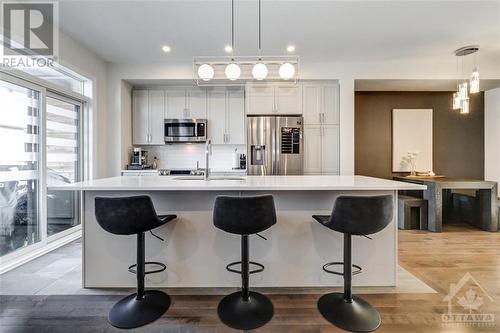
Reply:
x=312, y=149
x=321, y=149
x=226, y=116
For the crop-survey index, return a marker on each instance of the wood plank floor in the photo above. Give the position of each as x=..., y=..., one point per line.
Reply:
x=438, y=259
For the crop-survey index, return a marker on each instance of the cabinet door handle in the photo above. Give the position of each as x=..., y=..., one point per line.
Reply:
x=323, y=115
x=319, y=116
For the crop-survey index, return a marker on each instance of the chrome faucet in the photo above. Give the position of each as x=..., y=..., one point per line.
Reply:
x=208, y=152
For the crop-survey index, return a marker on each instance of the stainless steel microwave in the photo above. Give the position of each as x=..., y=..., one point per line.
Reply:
x=185, y=130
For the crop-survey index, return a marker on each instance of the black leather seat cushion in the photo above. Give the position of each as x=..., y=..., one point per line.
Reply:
x=128, y=215
x=244, y=215
x=359, y=215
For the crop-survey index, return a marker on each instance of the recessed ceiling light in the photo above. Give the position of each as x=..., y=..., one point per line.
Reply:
x=290, y=48
x=228, y=48
x=166, y=48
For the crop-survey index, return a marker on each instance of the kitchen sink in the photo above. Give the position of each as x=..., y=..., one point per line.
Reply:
x=210, y=178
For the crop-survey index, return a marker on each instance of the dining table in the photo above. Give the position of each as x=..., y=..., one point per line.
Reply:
x=438, y=188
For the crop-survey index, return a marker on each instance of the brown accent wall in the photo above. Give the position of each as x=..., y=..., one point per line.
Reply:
x=458, y=140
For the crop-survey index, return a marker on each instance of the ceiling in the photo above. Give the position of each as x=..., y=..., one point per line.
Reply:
x=351, y=31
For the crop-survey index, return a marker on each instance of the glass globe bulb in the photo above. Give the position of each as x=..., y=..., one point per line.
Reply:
x=206, y=72
x=259, y=71
x=232, y=71
x=287, y=71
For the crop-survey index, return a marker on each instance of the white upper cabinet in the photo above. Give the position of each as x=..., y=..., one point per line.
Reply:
x=236, y=117
x=140, y=117
x=321, y=103
x=330, y=103
x=175, y=104
x=226, y=116
x=288, y=99
x=260, y=99
x=312, y=103
x=156, y=117
x=148, y=113
x=217, y=116
x=186, y=103
x=274, y=98
x=196, y=103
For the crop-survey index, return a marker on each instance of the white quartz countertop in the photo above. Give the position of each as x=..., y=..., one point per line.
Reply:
x=247, y=183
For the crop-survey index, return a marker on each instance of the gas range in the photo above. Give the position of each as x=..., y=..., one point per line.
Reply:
x=184, y=172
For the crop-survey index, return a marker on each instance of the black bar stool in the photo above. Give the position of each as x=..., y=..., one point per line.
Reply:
x=361, y=216
x=245, y=216
x=129, y=216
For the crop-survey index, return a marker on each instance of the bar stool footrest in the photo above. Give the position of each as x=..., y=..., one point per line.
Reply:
x=357, y=270
x=163, y=267
x=257, y=270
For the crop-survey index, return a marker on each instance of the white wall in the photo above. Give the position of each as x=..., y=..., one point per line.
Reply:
x=85, y=62
x=492, y=135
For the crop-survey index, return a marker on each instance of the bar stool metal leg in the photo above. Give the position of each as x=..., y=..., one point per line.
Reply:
x=144, y=306
x=351, y=313
x=245, y=310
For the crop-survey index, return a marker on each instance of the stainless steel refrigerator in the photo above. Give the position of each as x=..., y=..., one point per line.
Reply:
x=275, y=145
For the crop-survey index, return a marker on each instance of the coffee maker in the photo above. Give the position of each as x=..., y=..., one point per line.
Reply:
x=139, y=159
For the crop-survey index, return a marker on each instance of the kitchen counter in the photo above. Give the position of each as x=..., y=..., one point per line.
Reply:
x=196, y=253
x=247, y=183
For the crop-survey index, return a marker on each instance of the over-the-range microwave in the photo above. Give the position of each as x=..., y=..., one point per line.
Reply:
x=185, y=130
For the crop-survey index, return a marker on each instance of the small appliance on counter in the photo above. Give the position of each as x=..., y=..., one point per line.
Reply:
x=139, y=160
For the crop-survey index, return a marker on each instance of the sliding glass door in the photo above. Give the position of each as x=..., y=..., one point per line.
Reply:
x=20, y=166
x=40, y=145
x=64, y=162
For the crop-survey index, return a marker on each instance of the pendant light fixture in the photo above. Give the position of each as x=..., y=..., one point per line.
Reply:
x=231, y=70
x=461, y=97
x=259, y=70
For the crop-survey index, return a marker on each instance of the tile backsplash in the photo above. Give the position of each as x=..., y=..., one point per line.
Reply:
x=184, y=156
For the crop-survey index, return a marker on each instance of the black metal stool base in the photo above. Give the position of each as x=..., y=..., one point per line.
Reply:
x=130, y=312
x=245, y=315
x=358, y=316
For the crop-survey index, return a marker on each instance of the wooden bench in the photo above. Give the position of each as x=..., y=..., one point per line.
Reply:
x=405, y=206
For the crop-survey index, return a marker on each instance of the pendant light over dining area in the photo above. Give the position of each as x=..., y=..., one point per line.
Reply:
x=465, y=85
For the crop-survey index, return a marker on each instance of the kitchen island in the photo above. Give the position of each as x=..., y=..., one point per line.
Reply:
x=196, y=253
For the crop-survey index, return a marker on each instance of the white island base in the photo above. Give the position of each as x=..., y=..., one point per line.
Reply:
x=196, y=253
